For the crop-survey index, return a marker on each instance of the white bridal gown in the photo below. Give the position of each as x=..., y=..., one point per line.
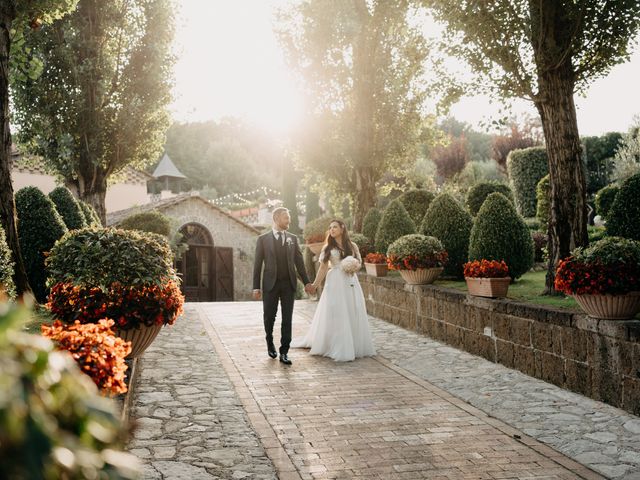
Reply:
x=340, y=326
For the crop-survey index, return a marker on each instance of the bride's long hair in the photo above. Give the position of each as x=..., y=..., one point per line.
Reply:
x=330, y=243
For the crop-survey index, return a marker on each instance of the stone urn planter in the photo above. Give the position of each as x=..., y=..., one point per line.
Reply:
x=421, y=276
x=610, y=307
x=488, y=287
x=140, y=338
x=376, y=269
x=315, y=247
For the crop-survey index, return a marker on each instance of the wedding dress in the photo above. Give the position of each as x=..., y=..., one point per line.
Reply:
x=340, y=326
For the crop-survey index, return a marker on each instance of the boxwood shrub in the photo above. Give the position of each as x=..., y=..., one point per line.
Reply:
x=90, y=214
x=624, y=216
x=6, y=267
x=364, y=245
x=499, y=233
x=604, y=200
x=39, y=227
x=416, y=202
x=450, y=223
x=543, y=199
x=525, y=168
x=152, y=222
x=68, y=208
x=395, y=223
x=370, y=223
x=478, y=193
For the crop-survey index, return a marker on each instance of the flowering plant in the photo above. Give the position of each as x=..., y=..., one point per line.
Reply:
x=486, y=269
x=375, y=258
x=609, y=266
x=129, y=306
x=415, y=251
x=96, y=350
x=350, y=265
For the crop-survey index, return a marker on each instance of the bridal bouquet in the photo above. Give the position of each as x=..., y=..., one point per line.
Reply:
x=350, y=265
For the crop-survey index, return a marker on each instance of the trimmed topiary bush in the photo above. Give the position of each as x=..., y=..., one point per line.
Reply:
x=152, y=222
x=624, y=216
x=395, y=223
x=450, y=223
x=499, y=233
x=543, y=198
x=478, y=193
x=604, y=200
x=370, y=223
x=6, y=268
x=90, y=214
x=316, y=230
x=364, y=244
x=68, y=208
x=417, y=203
x=39, y=227
x=414, y=251
x=525, y=168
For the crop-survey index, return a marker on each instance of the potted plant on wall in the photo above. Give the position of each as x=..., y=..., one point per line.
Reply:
x=376, y=264
x=315, y=233
x=419, y=258
x=604, y=278
x=487, y=278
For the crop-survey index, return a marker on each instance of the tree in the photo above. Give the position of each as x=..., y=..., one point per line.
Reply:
x=545, y=51
x=100, y=103
x=452, y=158
x=599, y=153
x=516, y=136
x=16, y=17
x=627, y=157
x=361, y=62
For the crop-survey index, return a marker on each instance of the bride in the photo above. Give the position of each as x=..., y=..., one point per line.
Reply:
x=340, y=326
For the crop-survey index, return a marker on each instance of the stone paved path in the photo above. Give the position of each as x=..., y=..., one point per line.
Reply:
x=211, y=404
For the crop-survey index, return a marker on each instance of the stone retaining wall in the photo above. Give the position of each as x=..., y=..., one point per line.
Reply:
x=596, y=358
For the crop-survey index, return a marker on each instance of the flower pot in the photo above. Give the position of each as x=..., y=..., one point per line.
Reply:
x=610, y=307
x=421, y=276
x=140, y=338
x=315, y=248
x=488, y=287
x=376, y=269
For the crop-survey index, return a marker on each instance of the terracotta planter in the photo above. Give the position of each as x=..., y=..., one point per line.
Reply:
x=376, y=269
x=140, y=338
x=421, y=276
x=315, y=248
x=610, y=307
x=488, y=287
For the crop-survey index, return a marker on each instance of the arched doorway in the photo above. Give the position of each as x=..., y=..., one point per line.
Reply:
x=206, y=271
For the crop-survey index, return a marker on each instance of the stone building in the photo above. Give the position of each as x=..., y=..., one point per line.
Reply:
x=218, y=266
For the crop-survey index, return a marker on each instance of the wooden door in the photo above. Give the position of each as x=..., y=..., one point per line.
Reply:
x=223, y=274
x=196, y=268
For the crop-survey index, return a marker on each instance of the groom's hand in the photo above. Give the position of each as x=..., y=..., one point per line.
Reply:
x=310, y=288
x=257, y=294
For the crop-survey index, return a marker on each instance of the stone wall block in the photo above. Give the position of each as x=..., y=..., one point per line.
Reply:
x=578, y=377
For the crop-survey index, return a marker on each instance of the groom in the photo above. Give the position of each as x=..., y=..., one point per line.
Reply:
x=280, y=253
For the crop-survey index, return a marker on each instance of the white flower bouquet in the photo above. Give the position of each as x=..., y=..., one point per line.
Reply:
x=350, y=265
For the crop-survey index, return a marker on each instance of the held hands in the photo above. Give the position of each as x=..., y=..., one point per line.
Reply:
x=310, y=288
x=257, y=294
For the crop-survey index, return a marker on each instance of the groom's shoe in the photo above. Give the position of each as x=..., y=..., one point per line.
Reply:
x=284, y=359
x=271, y=350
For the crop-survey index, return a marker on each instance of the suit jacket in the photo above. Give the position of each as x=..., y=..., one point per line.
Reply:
x=266, y=254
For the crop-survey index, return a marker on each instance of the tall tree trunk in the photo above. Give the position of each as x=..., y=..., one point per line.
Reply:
x=364, y=197
x=7, y=203
x=568, y=216
x=94, y=192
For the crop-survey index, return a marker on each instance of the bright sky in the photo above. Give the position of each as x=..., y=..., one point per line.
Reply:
x=230, y=64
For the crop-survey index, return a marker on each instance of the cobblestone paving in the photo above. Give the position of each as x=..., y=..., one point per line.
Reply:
x=191, y=424
x=603, y=437
x=370, y=418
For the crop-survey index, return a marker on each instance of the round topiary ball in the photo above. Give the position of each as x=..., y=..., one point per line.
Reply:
x=39, y=227
x=479, y=192
x=604, y=200
x=450, y=223
x=543, y=199
x=152, y=222
x=90, y=215
x=395, y=223
x=6, y=268
x=499, y=233
x=370, y=223
x=624, y=216
x=68, y=208
x=416, y=202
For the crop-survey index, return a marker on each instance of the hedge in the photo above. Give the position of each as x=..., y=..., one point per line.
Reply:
x=543, y=198
x=525, y=168
x=604, y=200
x=151, y=222
x=624, y=216
x=417, y=203
x=6, y=267
x=90, y=214
x=68, y=208
x=479, y=192
x=395, y=223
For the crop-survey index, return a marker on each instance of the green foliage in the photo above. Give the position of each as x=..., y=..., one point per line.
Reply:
x=312, y=206
x=627, y=159
x=68, y=208
x=395, y=223
x=39, y=227
x=316, y=230
x=416, y=245
x=450, y=223
x=599, y=153
x=6, y=268
x=610, y=251
x=540, y=241
x=417, y=203
x=533, y=223
x=624, y=216
x=370, y=223
x=90, y=215
x=53, y=421
x=152, y=222
x=526, y=168
x=478, y=193
x=101, y=256
x=604, y=200
x=596, y=233
x=543, y=198
x=364, y=244
x=499, y=233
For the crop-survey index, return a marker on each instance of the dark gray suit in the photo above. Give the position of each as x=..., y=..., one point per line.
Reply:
x=279, y=281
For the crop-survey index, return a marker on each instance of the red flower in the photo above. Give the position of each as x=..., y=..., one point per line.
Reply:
x=486, y=269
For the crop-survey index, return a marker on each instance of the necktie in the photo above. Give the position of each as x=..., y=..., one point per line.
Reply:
x=280, y=238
